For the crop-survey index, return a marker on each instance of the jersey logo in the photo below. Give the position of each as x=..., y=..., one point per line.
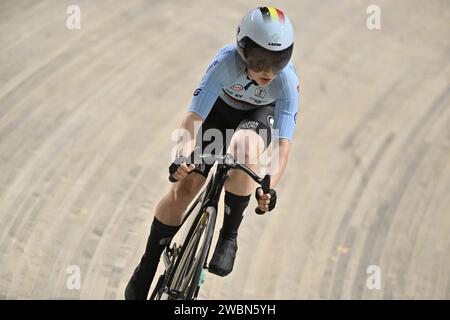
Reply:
x=214, y=63
x=260, y=92
x=256, y=100
x=270, y=121
x=237, y=87
x=165, y=241
x=197, y=91
x=249, y=125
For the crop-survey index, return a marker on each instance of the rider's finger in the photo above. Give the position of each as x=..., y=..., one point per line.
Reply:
x=183, y=166
x=262, y=207
x=176, y=175
x=260, y=192
x=187, y=169
x=265, y=197
x=181, y=172
x=184, y=172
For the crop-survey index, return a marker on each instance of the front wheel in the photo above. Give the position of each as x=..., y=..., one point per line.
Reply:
x=186, y=275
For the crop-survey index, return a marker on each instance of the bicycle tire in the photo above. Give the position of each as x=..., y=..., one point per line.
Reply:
x=186, y=276
x=201, y=263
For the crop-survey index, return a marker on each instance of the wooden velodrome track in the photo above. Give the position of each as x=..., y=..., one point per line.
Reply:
x=85, y=123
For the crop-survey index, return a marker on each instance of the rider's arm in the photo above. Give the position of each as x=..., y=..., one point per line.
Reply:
x=267, y=201
x=189, y=127
x=203, y=99
x=209, y=88
x=286, y=108
x=202, y=102
x=185, y=145
x=283, y=154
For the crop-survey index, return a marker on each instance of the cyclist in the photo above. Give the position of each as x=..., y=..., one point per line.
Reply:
x=250, y=87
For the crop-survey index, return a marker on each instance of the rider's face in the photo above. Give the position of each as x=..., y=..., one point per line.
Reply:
x=263, y=77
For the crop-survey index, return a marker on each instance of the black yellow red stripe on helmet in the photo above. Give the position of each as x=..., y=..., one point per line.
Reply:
x=271, y=14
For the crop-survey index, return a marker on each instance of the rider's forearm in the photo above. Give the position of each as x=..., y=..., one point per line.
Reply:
x=283, y=154
x=186, y=141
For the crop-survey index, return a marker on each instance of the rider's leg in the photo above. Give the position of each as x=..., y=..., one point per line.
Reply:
x=168, y=217
x=246, y=146
x=171, y=207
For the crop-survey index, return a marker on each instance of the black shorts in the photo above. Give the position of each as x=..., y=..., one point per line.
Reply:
x=223, y=117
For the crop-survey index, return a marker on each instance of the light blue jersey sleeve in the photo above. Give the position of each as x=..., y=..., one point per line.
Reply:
x=286, y=106
x=209, y=88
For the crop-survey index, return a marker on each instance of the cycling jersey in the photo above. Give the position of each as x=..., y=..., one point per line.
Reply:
x=226, y=78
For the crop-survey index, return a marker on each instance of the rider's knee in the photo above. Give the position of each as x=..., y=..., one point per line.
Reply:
x=247, y=146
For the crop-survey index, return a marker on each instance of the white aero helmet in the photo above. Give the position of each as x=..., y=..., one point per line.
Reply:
x=265, y=39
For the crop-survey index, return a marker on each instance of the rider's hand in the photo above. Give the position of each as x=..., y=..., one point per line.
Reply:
x=266, y=202
x=178, y=170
